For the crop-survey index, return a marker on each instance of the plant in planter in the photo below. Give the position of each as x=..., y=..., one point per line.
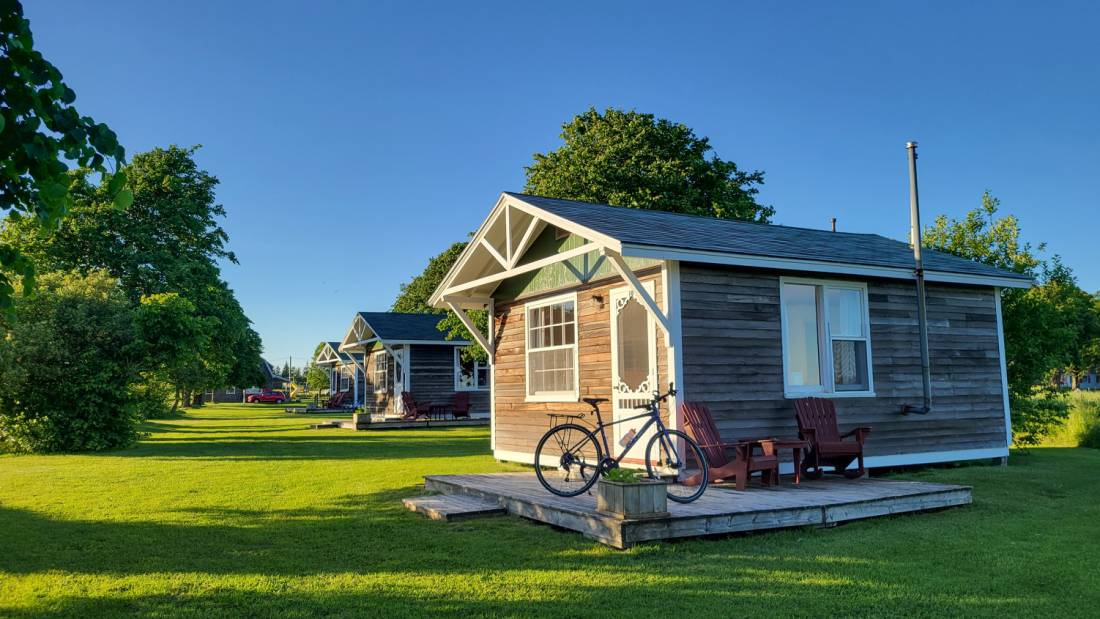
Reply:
x=625, y=493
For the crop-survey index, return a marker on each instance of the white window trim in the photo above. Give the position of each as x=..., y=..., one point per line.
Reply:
x=558, y=396
x=345, y=380
x=458, y=372
x=386, y=372
x=825, y=342
x=230, y=391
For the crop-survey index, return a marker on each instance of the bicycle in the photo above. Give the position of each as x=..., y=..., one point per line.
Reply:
x=569, y=459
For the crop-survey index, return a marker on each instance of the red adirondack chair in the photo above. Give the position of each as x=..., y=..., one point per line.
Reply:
x=337, y=401
x=460, y=406
x=817, y=424
x=737, y=460
x=413, y=409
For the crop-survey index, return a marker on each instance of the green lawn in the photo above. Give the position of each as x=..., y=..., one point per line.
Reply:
x=242, y=511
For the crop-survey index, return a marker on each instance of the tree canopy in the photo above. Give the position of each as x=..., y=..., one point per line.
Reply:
x=640, y=161
x=166, y=241
x=39, y=131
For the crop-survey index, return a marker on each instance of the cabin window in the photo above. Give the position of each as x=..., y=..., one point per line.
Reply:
x=230, y=391
x=345, y=380
x=470, y=375
x=381, y=372
x=826, y=338
x=552, y=349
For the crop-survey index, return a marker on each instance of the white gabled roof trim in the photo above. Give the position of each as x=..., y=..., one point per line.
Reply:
x=451, y=291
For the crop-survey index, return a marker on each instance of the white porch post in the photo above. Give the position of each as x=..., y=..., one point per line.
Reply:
x=674, y=340
x=617, y=261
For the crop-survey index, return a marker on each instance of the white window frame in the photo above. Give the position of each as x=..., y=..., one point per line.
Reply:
x=230, y=391
x=345, y=380
x=385, y=385
x=557, y=396
x=478, y=366
x=825, y=340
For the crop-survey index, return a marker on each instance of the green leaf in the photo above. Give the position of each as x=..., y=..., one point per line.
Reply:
x=124, y=199
x=117, y=183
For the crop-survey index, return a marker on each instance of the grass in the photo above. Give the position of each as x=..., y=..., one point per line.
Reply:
x=1082, y=427
x=240, y=511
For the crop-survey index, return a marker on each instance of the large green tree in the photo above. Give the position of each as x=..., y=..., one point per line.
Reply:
x=640, y=161
x=40, y=131
x=1044, y=326
x=168, y=240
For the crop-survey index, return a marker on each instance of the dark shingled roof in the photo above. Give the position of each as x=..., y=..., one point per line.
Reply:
x=392, y=326
x=690, y=232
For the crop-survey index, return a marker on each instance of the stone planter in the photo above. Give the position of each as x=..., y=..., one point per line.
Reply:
x=632, y=501
x=361, y=420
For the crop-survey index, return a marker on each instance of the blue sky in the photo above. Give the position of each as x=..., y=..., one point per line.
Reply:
x=355, y=140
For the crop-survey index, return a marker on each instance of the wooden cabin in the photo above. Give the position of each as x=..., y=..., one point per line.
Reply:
x=407, y=352
x=344, y=373
x=590, y=300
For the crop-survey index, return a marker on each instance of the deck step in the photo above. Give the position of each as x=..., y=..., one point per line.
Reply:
x=451, y=507
x=325, y=424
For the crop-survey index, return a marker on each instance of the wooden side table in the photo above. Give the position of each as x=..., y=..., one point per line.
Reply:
x=796, y=446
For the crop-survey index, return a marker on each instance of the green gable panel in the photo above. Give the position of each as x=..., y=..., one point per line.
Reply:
x=566, y=274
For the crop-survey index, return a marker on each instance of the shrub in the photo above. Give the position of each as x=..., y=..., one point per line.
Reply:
x=66, y=372
x=1036, y=417
x=1081, y=427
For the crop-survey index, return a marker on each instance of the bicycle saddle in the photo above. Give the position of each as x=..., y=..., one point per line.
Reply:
x=594, y=401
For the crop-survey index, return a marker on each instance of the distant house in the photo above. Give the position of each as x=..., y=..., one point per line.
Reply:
x=237, y=394
x=344, y=371
x=1089, y=382
x=407, y=352
x=589, y=300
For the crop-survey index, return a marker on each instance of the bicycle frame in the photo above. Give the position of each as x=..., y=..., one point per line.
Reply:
x=654, y=416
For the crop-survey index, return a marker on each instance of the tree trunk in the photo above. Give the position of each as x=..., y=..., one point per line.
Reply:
x=176, y=401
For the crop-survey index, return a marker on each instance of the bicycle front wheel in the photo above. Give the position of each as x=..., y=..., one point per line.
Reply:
x=567, y=460
x=675, y=457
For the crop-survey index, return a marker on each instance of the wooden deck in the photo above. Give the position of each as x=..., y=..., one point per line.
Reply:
x=720, y=511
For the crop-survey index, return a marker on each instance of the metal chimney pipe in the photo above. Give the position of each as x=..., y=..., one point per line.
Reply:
x=922, y=309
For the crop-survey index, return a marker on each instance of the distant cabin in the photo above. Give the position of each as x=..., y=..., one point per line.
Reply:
x=590, y=300
x=395, y=352
x=272, y=380
x=343, y=370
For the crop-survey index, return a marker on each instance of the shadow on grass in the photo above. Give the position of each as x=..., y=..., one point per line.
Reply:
x=335, y=445
x=372, y=558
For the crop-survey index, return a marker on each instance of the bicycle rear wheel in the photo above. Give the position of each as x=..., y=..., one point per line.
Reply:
x=567, y=460
x=675, y=457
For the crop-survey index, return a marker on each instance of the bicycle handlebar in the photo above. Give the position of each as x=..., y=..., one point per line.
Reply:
x=658, y=398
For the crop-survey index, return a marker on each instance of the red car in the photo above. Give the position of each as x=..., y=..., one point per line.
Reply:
x=267, y=397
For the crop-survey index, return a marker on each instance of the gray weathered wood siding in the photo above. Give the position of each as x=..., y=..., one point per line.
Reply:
x=433, y=377
x=733, y=362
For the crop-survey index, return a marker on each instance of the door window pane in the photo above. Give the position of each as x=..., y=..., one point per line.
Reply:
x=633, y=338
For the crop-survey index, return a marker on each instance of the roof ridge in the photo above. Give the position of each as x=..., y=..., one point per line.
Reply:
x=697, y=216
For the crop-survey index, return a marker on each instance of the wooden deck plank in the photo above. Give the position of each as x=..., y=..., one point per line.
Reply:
x=720, y=511
x=452, y=507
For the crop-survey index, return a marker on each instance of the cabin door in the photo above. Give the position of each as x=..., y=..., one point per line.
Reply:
x=399, y=382
x=633, y=364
